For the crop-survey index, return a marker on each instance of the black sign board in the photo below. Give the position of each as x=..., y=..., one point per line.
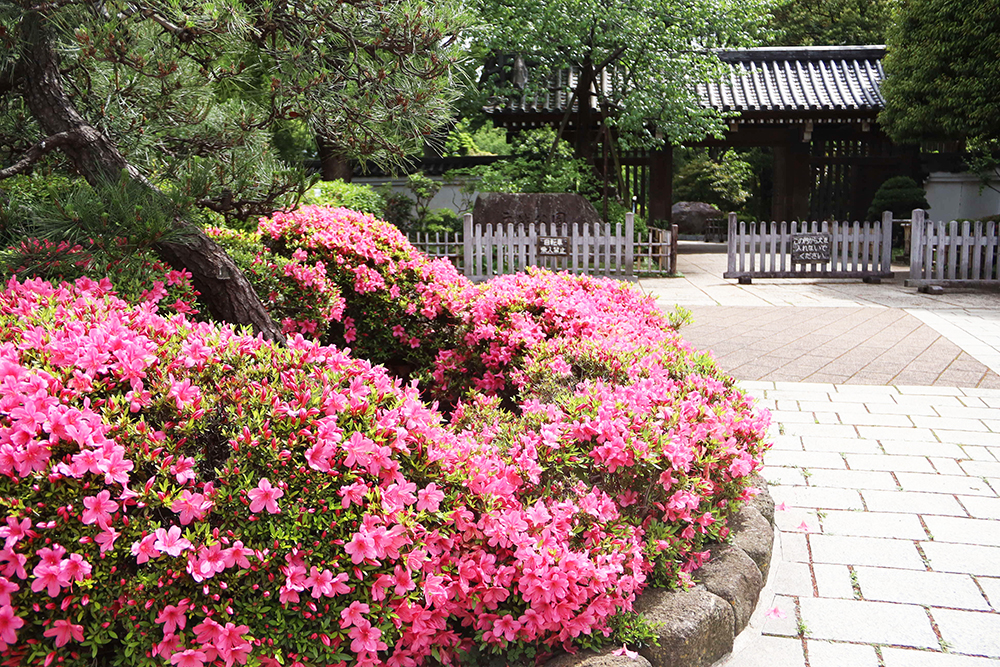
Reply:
x=553, y=246
x=811, y=248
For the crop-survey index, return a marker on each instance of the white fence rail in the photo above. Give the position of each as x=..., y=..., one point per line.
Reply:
x=499, y=249
x=599, y=249
x=810, y=250
x=953, y=254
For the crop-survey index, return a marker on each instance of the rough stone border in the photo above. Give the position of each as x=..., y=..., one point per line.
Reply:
x=700, y=625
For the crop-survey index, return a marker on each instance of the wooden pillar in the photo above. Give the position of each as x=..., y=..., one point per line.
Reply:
x=661, y=186
x=780, y=206
x=800, y=175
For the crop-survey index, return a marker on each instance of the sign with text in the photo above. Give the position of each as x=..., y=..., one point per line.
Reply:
x=811, y=248
x=553, y=246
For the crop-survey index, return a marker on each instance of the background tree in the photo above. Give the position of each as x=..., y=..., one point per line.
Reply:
x=942, y=69
x=831, y=22
x=179, y=100
x=652, y=51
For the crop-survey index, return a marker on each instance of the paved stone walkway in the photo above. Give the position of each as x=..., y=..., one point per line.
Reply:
x=889, y=528
x=885, y=467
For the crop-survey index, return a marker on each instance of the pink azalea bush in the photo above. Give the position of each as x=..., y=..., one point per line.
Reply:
x=399, y=304
x=175, y=492
x=136, y=275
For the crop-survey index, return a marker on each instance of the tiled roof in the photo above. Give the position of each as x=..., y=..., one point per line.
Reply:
x=783, y=80
x=796, y=79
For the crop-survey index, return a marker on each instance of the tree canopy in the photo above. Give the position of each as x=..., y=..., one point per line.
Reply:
x=653, y=52
x=182, y=98
x=942, y=69
x=831, y=22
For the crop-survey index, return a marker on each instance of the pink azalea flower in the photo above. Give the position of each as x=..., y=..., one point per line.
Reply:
x=265, y=496
x=145, y=549
x=189, y=658
x=506, y=627
x=63, y=631
x=774, y=612
x=9, y=623
x=354, y=614
x=366, y=638
x=170, y=542
x=624, y=651
x=429, y=498
x=47, y=579
x=106, y=539
x=172, y=617
x=191, y=506
x=7, y=588
x=75, y=568
x=99, y=509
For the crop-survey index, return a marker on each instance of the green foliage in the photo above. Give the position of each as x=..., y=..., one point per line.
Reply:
x=899, y=194
x=831, y=22
x=651, y=51
x=484, y=140
x=679, y=317
x=724, y=182
x=942, y=67
x=220, y=103
x=531, y=171
x=363, y=198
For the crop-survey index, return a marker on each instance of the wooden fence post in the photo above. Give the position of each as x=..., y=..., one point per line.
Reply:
x=732, y=241
x=886, y=241
x=467, y=245
x=673, y=250
x=917, y=240
x=629, y=244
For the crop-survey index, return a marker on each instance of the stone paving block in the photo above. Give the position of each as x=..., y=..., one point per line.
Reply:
x=786, y=442
x=889, y=463
x=945, y=466
x=964, y=531
x=972, y=402
x=853, y=479
x=968, y=437
x=873, y=524
x=897, y=433
x=786, y=626
x=804, y=459
x=970, y=413
x=795, y=549
x=817, y=497
x=970, y=632
x=921, y=448
x=810, y=430
x=857, y=394
x=805, y=387
x=872, y=551
x=897, y=409
x=981, y=468
x=980, y=507
x=791, y=579
x=963, y=558
x=949, y=423
x=780, y=476
x=877, y=419
x=828, y=418
x=791, y=520
x=833, y=581
x=912, y=502
x=900, y=657
x=794, y=395
x=836, y=654
x=819, y=443
x=789, y=417
x=794, y=406
x=930, y=391
x=991, y=586
x=937, y=589
x=867, y=622
x=768, y=652
x=915, y=481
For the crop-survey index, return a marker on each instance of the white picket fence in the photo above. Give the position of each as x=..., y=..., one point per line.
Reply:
x=603, y=249
x=953, y=254
x=810, y=250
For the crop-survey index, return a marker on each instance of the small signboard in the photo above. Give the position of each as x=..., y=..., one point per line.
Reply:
x=811, y=248
x=553, y=246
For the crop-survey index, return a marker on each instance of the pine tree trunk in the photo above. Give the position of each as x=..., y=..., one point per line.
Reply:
x=226, y=291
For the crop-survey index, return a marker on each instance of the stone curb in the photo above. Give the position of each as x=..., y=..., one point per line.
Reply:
x=700, y=625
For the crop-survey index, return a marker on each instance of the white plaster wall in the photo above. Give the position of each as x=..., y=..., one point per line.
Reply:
x=958, y=196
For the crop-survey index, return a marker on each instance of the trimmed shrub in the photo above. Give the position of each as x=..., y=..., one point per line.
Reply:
x=399, y=304
x=177, y=492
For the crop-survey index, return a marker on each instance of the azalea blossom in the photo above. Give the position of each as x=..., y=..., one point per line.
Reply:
x=64, y=631
x=265, y=496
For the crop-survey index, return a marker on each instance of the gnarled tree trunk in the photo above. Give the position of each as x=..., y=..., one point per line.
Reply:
x=226, y=291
